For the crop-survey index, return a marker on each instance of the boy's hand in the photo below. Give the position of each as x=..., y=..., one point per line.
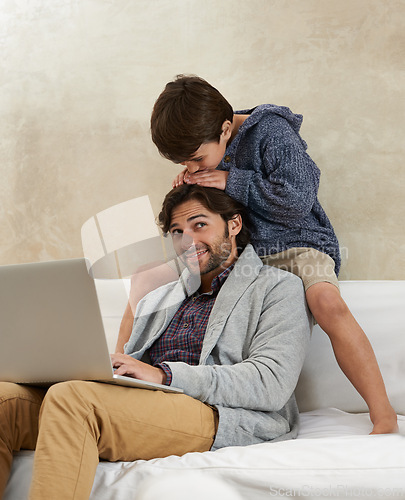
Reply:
x=179, y=179
x=208, y=178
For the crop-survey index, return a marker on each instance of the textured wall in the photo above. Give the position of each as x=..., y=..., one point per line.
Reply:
x=79, y=78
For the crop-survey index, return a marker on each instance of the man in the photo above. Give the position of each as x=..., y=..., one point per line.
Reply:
x=236, y=346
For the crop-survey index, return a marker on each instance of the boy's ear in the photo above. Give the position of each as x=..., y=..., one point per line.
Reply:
x=226, y=129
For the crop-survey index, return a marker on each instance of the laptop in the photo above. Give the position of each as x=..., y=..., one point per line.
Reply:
x=51, y=329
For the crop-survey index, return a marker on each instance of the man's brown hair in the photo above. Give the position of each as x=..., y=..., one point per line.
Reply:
x=189, y=112
x=215, y=200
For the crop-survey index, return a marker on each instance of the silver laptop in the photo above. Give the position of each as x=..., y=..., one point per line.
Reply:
x=51, y=329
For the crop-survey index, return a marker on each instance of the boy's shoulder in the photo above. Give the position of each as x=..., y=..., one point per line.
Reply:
x=268, y=114
x=269, y=122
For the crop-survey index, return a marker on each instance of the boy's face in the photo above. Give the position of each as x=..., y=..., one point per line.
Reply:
x=209, y=155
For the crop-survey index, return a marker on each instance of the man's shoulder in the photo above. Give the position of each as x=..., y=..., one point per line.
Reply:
x=277, y=275
x=280, y=285
x=250, y=265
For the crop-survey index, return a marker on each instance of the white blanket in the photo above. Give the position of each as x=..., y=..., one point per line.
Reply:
x=333, y=457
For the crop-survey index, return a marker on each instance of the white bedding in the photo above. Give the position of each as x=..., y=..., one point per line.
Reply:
x=341, y=461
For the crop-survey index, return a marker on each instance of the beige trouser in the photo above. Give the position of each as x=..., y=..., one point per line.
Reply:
x=311, y=265
x=82, y=421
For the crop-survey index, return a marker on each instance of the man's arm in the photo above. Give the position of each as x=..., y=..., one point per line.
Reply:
x=125, y=329
x=266, y=377
x=147, y=278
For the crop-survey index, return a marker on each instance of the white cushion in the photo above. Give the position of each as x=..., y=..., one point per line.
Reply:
x=379, y=308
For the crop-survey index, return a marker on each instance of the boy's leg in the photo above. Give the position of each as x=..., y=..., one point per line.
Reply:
x=351, y=346
x=81, y=421
x=353, y=353
x=19, y=410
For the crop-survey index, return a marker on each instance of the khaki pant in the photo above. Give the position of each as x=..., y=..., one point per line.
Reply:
x=309, y=264
x=81, y=421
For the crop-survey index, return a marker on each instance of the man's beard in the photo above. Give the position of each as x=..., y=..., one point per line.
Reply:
x=219, y=252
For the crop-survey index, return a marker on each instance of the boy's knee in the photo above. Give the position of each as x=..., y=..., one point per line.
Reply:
x=326, y=301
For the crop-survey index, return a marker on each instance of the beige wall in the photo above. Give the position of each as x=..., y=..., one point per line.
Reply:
x=79, y=78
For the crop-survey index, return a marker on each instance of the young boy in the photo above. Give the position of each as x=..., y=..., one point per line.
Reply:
x=258, y=157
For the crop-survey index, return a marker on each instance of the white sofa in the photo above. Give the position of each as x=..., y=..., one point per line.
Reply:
x=334, y=455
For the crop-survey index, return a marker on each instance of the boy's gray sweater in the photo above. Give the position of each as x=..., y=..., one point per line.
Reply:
x=271, y=174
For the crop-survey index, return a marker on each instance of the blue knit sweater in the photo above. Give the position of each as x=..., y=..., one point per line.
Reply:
x=271, y=174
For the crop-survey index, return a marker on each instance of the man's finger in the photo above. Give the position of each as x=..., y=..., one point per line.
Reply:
x=125, y=370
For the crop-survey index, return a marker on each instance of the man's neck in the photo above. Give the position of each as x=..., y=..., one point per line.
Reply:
x=207, y=279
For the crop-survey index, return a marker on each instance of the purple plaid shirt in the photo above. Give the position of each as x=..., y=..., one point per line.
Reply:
x=183, y=338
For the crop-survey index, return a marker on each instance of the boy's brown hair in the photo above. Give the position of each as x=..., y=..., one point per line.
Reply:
x=213, y=199
x=189, y=112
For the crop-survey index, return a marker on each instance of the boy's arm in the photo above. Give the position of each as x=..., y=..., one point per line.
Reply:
x=282, y=182
x=276, y=197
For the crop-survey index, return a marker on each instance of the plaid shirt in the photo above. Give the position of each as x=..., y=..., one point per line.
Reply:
x=183, y=338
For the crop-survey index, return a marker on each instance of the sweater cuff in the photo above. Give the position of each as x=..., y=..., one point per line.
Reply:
x=237, y=184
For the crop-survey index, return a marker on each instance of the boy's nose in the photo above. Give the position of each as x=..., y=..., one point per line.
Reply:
x=191, y=167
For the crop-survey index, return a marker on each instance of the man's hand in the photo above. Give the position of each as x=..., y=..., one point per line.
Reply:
x=127, y=365
x=208, y=178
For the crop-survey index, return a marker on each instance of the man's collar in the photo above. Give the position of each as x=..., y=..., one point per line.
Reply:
x=219, y=280
x=248, y=265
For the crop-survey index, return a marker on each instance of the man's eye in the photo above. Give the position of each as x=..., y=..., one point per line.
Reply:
x=176, y=232
x=201, y=224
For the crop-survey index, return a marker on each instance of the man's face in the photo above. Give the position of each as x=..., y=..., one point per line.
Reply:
x=202, y=239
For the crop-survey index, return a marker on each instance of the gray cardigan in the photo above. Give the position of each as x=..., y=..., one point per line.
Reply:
x=252, y=353
x=271, y=173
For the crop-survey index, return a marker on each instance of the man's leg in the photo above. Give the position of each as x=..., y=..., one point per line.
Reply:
x=353, y=353
x=19, y=410
x=81, y=421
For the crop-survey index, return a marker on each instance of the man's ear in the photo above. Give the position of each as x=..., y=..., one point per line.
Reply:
x=235, y=225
